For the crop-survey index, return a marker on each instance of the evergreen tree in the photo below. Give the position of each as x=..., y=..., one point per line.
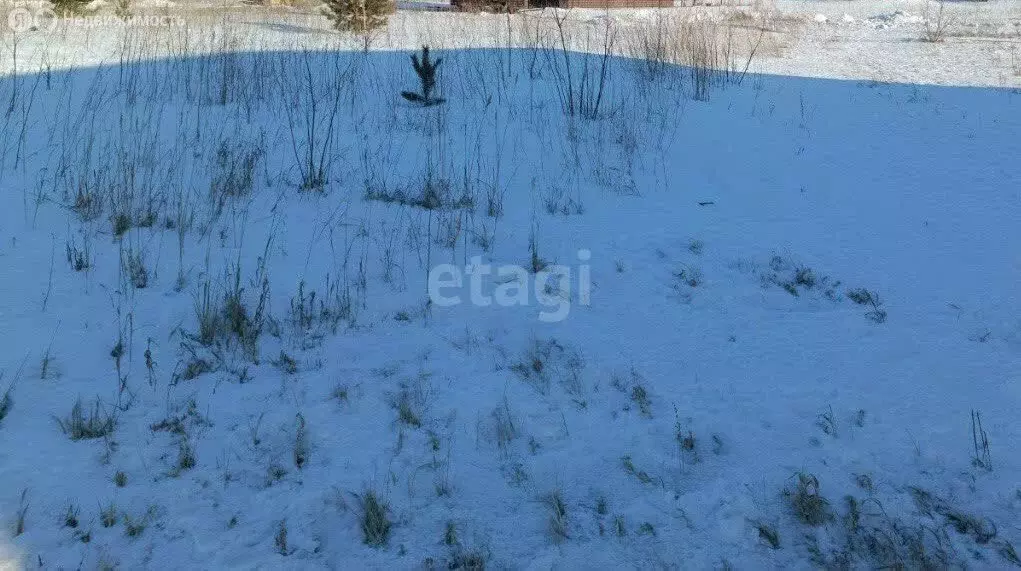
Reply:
x=66, y=8
x=359, y=16
x=426, y=71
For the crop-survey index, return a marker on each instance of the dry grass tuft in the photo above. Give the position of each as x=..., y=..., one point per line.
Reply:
x=82, y=424
x=375, y=522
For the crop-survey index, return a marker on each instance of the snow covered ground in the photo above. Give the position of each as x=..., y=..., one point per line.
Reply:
x=861, y=39
x=777, y=321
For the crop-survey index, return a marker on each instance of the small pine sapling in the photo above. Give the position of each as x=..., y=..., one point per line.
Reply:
x=426, y=71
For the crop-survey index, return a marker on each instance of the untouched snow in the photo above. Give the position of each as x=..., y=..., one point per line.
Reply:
x=877, y=40
x=715, y=366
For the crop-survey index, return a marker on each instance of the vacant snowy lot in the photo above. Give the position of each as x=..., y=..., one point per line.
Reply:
x=592, y=311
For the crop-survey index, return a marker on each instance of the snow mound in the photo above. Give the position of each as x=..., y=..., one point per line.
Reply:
x=894, y=20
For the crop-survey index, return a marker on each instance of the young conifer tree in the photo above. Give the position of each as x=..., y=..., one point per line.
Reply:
x=362, y=17
x=426, y=71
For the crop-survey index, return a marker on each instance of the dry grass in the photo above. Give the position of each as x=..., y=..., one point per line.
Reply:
x=6, y=402
x=19, y=520
x=85, y=424
x=280, y=539
x=810, y=507
x=938, y=21
x=558, y=521
x=375, y=521
x=301, y=450
x=713, y=48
